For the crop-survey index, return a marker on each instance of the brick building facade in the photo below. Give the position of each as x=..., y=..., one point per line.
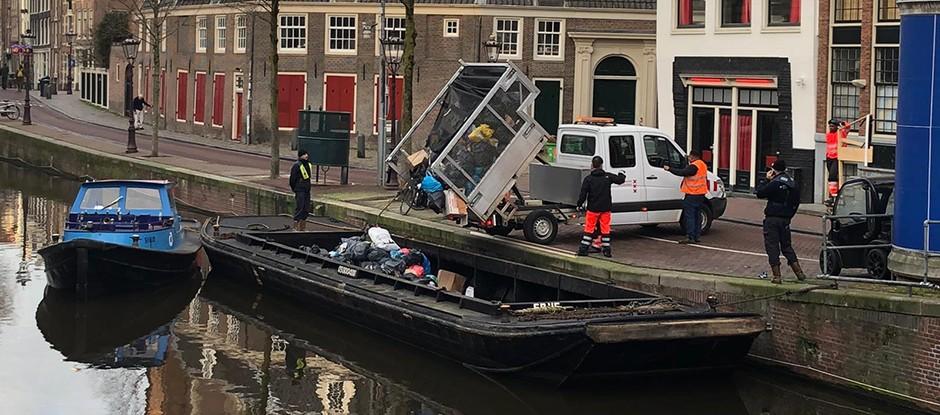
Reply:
x=328, y=58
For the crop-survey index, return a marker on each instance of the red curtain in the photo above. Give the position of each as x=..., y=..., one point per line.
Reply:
x=685, y=12
x=794, y=11
x=744, y=142
x=746, y=11
x=724, y=140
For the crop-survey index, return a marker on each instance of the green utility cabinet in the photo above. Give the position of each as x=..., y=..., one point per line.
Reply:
x=325, y=136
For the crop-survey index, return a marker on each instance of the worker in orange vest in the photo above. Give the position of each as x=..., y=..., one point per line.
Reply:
x=695, y=186
x=837, y=130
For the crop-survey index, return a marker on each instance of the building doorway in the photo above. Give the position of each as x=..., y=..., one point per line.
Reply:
x=548, y=104
x=615, y=90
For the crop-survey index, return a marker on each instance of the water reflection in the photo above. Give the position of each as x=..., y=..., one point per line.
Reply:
x=232, y=350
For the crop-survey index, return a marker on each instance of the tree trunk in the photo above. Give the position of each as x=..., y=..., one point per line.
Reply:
x=155, y=71
x=408, y=66
x=275, y=141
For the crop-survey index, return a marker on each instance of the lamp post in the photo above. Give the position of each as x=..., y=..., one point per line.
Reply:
x=27, y=41
x=492, y=47
x=130, y=46
x=70, y=37
x=393, y=48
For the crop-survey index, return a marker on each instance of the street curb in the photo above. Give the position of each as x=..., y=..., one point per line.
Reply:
x=759, y=224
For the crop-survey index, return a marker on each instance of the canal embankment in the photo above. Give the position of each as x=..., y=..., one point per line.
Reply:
x=878, y=340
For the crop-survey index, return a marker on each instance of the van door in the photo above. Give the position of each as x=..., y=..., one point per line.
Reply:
x=628, y=198
x=664, y=199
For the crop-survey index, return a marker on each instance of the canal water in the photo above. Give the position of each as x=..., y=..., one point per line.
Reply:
x=217, y=348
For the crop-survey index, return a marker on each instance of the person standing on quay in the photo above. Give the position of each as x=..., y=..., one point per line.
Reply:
x=783, y=200
x=596, y=191
x=695, y=187
x=300, y=185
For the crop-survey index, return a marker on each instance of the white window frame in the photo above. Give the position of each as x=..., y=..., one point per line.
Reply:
x=327, y=27
x=238, y=32
x=202, y=33
x=280, y=33
x=457, y=27
x=221, y=33
x=519, y=36
x=378, y=39
x=561, y=41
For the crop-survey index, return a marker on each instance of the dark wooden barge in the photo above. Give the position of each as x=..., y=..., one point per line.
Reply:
x=521, y=320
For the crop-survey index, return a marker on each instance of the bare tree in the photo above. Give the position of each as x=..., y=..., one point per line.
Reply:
x=408, y=64
x=152, y=17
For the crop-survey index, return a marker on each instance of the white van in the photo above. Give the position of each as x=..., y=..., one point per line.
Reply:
x=650, y=195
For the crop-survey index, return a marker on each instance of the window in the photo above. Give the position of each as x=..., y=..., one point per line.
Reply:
x=845, y=95
x=847, y=11
x=293, y=33
x=143, y=198
x=394, y=28
x=99, y=197
x=202, y=34
x=660, y=152
x=691, y=13
x=145, y=31
x=507, y=34
x=580, y=145
x=220, y=33
x=757, y=97
x=783, y=12
x=888, y=11
x=342, y=34
x=548, y=39
x=707, y=95
x=622, y=151
x=735, y=12
x=886, y=89
x=451, y=28
x=241, y=33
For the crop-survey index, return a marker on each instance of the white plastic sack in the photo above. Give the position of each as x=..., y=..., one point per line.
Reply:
x=382, y=239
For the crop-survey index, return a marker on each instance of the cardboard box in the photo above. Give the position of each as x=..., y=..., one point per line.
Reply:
x=455, y=206
x=451, y=281
x=418, y=157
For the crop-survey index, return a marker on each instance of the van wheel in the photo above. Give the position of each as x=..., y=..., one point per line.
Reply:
x=540, y=227
x=705, y=216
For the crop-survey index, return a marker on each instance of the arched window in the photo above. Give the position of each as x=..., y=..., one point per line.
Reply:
x=615, y=66
x=615, y=90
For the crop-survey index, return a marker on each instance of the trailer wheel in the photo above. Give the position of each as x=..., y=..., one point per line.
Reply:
x=705, y=216
x=499, y=228
x=540, y=227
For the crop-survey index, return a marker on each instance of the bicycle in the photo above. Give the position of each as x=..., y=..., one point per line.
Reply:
x=9, y=110
x=411, y=196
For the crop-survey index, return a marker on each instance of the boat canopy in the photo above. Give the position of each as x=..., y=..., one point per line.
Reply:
x=136, y=197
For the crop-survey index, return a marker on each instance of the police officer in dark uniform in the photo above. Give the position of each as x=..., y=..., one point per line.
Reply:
x=300, y=185
x=783, y=200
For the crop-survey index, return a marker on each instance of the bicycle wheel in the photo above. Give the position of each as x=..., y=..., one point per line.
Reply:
x=407, y=197
x=13, y=113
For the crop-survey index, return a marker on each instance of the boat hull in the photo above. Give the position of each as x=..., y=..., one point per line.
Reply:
x=550, y=350
x=101, y=267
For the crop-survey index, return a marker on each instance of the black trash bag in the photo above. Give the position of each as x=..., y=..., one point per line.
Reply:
x=393, y=267
x=377, y=255
x=360, y=251
x=436, y=201
x=414, y=258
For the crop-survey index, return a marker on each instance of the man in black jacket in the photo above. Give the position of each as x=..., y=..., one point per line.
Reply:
x=300, y=185
x=783, y=200
x=596, y=191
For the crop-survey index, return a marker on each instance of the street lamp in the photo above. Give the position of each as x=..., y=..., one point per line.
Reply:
x=394, y=48
x=27, y=40
x=130, y=46
x=492, y=47
x=70, y=37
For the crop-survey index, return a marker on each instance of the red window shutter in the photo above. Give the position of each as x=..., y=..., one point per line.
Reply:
x=290, y=99
x=199, y=114
x=218, y=103
x=182, y=81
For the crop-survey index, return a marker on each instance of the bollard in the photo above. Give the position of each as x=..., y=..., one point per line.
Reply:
x=361, y=146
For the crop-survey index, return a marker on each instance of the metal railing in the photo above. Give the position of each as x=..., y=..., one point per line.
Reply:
x=927, y=223
x=826, y=247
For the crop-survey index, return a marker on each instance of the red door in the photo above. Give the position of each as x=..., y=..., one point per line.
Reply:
x=290, y=99
x=199, y=114
x=218, y=85
x=182, y=81
x=239, y=117
x=341, y=96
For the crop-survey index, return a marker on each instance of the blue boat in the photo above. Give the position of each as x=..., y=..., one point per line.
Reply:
x=123, y=235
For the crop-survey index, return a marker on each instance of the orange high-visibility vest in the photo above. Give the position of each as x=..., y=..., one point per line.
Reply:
x=697, y=184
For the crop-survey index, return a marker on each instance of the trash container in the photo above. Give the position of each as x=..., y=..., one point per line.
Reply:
x=44, y=87
x=325, y=136
x=54, y=86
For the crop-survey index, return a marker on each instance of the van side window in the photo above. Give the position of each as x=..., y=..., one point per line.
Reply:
x=581, y=145
x=660, y=152
x=622, y=151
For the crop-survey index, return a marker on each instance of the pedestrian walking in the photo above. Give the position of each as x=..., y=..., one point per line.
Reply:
x=139, y=104
x=783, y=200
x=20, y=78
x=695, y=187
x=838, y=130
x=596, y=191
x=300, y=185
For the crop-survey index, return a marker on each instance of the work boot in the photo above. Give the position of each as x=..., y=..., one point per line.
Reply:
x=777, y=278
x=302, y=226
x=606, y=251
x=798, y=270
x=583, y=250
x=296, y=226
